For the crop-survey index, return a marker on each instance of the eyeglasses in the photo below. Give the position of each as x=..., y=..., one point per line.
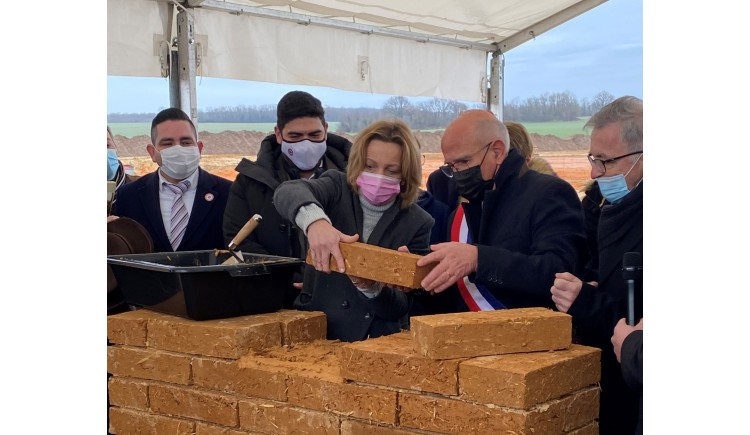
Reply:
x=459, y=165
x=600, y=165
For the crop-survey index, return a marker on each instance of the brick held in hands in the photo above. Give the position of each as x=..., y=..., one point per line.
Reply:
x=481, y=333
x=384, y=265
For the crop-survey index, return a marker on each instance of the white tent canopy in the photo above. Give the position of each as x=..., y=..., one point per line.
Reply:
x=434, y=48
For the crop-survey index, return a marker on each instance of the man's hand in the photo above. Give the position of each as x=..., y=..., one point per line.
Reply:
x=565, y=290
x=324, y=241
x=455, y=261
x=621, y=332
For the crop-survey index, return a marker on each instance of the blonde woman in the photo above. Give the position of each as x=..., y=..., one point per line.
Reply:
x=373, y=202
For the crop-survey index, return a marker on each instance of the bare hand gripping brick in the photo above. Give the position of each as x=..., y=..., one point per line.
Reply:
x=381, y=264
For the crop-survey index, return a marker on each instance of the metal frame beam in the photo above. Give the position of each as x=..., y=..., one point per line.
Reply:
x=239, y=9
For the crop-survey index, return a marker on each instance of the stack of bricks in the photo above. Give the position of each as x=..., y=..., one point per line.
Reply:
x=509, y=371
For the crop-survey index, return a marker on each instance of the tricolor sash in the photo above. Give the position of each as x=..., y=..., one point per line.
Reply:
x=476, y=296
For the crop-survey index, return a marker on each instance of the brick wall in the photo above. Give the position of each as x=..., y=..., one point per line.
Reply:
x=276, y=374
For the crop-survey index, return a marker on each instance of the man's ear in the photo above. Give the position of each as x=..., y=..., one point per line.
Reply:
x=498, y=151
x=200, y=147
x=152, y=152
x=277, y=132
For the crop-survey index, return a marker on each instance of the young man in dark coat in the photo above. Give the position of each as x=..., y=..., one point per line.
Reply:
x=153, y=199
x=300, y=148
x=616, y=157
x=515, y=230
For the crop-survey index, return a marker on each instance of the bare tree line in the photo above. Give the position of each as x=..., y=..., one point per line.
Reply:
x=431, y=114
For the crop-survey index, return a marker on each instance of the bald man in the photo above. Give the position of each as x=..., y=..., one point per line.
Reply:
x=513, y=231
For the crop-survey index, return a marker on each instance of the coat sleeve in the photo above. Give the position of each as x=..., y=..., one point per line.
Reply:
x=557, y=243
x=631, y=357
x=293, y=194
x=597, y=310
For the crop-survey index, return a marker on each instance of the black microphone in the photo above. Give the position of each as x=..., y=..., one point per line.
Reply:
x=632, y=269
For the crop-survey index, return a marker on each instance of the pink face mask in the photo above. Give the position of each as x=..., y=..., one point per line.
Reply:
x=378, y=189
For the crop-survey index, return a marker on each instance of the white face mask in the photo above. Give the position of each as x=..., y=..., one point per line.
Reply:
x=180, y=162
x=305, y=154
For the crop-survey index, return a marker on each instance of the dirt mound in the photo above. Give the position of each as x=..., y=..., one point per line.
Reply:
x=247, y=143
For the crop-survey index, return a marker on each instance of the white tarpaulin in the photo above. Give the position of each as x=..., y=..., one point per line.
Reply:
x=435, y=48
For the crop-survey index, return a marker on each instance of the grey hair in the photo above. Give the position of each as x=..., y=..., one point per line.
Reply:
x=628, y=111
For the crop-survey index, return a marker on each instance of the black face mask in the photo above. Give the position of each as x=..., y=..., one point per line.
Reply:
x=470, y=184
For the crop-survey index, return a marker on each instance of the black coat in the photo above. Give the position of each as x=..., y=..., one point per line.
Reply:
x=631, y=356
x=439, y=212
x=597, y=310
x=592, y=203
x=252, y=192
x=350, y=315
x=443, y=189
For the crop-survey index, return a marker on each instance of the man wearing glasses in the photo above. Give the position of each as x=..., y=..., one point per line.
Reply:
x=599, y=300
x=513, y=231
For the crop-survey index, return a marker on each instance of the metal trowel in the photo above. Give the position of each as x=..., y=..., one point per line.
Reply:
x=245, y=231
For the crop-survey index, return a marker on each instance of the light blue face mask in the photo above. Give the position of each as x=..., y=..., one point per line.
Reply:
x=615, y=188
x=112, y=163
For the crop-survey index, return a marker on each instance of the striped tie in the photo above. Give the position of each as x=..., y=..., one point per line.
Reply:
x=179, y=214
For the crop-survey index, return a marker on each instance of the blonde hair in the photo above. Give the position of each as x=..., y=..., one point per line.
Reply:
x=391, y=131
x=520, y=139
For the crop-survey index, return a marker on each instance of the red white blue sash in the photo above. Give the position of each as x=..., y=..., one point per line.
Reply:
x=476, y=296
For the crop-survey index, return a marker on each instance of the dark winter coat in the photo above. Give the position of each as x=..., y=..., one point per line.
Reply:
x=631, y=355
x=439, y=212
x=252, y=192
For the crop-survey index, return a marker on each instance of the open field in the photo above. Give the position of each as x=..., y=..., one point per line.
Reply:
x=562, y=129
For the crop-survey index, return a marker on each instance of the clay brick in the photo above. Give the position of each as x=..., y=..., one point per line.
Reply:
x=354, y=427
x=523, y=380
x=212, y=429
x=481, y=333
x=565, y=414
x=227, y=376
x=130, y=327
x=223, y=338
x=455, y=416
x=127, y=422
x=128, y=393
x=193, y=403
x=301, y=326
x=381, y=264
x=280, y=419
x=590, y=429
x=148, y=364
x=390, y=360
x=348, y=399
x=314, y=381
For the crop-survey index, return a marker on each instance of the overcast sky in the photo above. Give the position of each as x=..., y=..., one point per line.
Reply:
x=600, y=50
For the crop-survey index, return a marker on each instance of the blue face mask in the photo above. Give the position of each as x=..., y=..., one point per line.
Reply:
x=112, y=163
x=615, y=188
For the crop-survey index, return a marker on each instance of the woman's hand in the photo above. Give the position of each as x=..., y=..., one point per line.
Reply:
x=324, y=241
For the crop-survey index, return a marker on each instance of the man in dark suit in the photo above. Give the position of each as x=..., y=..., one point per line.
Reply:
x=513, y=230
x=180, y=204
